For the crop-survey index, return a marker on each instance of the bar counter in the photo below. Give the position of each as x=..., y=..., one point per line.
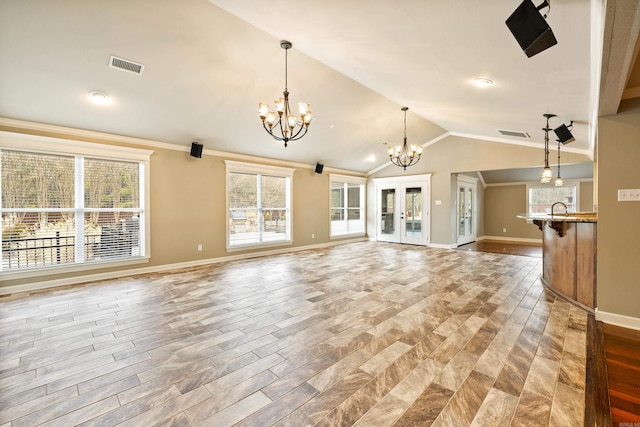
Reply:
x=569, y=255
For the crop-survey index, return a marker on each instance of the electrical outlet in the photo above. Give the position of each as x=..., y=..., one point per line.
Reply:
x=504, y=230
x=313, y=236
x=629, y=195
x=199, y=247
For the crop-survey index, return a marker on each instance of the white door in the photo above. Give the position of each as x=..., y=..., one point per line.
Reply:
x=467, y=210
x=403, y=210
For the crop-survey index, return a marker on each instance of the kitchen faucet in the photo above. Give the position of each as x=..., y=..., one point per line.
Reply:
x=558, y=203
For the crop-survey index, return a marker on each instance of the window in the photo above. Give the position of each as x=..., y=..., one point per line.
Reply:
x=63, y=210
x=258, y=205
x=541, y=197
x=347, y=205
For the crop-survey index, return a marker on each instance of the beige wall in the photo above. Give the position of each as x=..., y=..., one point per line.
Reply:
x=586, y=196
x=482, y=203
x=618, y=222
x=188, y=208
x=455, y=155
x=504, y=202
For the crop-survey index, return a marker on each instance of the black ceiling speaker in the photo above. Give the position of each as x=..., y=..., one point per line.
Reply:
x=530, y=28
x=319, y=167
x=564, y=134
x=196, y=149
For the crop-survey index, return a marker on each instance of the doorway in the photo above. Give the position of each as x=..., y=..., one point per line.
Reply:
x=467, y=211
x=402, y=212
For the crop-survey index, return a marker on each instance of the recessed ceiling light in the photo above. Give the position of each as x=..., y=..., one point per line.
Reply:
x=481, y=82
x=371, y=158
x=98, y=97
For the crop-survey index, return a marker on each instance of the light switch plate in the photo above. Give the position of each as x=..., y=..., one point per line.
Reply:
x=629, y=195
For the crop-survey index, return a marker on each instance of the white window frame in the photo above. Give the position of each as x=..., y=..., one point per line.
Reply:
x=57, y=146
x=346, y=179
x=567, y=183
x=257, y=169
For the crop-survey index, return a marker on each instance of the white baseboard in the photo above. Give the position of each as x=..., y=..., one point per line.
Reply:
x=511, y=239
x=47, y=284
x=618, y=320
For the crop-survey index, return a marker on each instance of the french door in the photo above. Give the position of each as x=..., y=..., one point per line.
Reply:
x=466, y=216
x=402, y=213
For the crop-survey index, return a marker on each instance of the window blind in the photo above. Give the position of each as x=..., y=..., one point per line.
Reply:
x=63, y=209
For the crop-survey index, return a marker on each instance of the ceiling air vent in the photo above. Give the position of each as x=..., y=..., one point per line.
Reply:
x=125, y=65
x=514, y=133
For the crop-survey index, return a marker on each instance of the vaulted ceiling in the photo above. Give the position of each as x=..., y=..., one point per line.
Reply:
x=207, y=64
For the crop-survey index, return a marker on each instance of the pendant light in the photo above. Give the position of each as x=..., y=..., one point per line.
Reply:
x=547, y=174
x=559, y=182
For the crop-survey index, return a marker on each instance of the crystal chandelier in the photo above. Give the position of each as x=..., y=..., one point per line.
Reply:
x=285, y=127
x=547, y=174
x=405, y=155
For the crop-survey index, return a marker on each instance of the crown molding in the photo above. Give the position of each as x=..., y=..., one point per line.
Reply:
x=11, y=125
x=586, y=152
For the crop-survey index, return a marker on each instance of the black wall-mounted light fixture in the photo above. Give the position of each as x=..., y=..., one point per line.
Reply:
x=530, y=28
x=196, y=149
x=563, y=132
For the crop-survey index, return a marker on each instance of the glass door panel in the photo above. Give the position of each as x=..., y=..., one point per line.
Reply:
x=462, y=231
x=466, y=212
x=413, y=212
x=470, y=216
x=387, y=225
x=402, y=214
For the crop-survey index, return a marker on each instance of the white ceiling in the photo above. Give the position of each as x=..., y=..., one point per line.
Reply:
x=209, y=63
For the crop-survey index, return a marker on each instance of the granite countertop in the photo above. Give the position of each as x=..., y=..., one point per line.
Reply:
x=562, y=217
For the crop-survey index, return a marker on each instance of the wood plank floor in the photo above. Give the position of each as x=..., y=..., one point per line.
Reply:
x=502, y=247
x=622, y=352
x=365, y=334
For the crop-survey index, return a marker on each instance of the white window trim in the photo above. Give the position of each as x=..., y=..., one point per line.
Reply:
x=363, y=202
x=233, y=166
x=59, y=146
x=347, y=178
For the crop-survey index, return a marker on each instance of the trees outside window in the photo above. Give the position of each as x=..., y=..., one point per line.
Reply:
x=64, y=209
x=259, y=205
x=541, y=197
